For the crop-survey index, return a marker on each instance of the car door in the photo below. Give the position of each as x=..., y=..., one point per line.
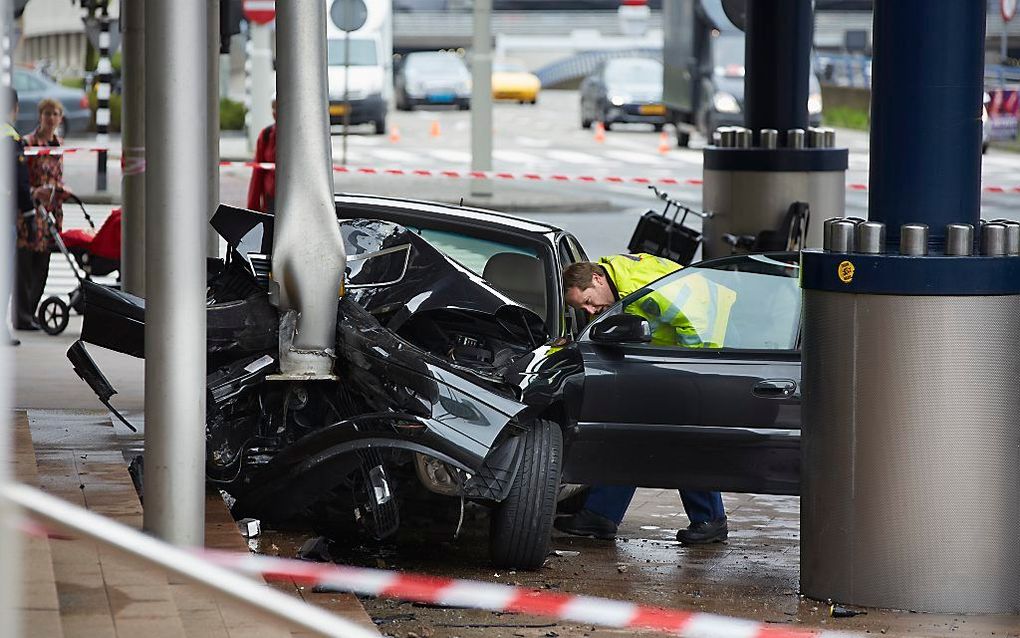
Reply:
x=684, y=412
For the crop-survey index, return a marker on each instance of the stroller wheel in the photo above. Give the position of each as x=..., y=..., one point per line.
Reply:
x=53, y=315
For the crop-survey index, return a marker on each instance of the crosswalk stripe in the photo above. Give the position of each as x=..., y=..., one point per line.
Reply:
x=573, y=157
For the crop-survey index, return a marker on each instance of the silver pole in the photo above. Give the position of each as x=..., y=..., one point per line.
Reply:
x=218, y=580
x=347, y=80
x=10, y=541
x=308, y=254
x=213, y=113
x=481, y=96
x=132, y=250
x=176, y=201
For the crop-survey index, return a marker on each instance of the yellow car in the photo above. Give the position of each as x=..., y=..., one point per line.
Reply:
x=514, y=82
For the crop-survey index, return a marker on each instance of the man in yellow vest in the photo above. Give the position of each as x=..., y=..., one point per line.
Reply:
x=594, y=287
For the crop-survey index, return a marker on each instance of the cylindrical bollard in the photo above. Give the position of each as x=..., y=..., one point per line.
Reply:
x=959, y=240
x=815, y=137
x=993, y=239
x=1012, y=236
x=870, y=238
x=841, y=236
x=743, y=137
x=829, y=137
x=914, y=239
x=795, y=138
x=827, y=231
x=727, y=136
x=769, y=138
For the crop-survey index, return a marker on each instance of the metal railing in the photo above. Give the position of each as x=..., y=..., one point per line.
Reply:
x=124, y=540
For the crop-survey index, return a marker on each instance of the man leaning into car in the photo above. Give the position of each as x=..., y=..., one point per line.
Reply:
x=594, y=287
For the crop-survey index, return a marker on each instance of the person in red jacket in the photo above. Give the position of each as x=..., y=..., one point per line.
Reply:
x=262, y=189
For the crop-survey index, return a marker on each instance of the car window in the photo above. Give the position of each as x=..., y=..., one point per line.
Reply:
x=746, y=303
x=632, y=70
x=436, y=63
x=471, y=252
x=25, y=82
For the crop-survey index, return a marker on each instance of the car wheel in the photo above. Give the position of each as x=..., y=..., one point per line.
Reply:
x=521, y=525
x=465, y=105
x=380, y=127
x=606, y=124
x=657, y=128
x=683, y=138
x=53, y=315
x=585, y=123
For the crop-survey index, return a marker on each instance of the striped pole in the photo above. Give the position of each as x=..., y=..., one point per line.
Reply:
x=104, y=73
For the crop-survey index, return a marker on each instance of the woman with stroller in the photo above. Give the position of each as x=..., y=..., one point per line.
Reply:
x=46, y=176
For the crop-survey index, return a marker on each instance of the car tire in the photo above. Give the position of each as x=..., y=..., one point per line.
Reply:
x=465, y=105
x=380, y=127
x=585, y=123
x=683, y=139
x=657, y=128
x=53, y=315
x=521, y=525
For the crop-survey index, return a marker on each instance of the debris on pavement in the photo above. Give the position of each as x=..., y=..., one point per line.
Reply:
x=316, y=549
x=565, y=553
x=250, y=527
x=838, y=611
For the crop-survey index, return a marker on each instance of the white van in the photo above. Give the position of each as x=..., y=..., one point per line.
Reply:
x=371, y=65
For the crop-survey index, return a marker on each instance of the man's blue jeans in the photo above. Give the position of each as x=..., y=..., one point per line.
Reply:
x=612, y=501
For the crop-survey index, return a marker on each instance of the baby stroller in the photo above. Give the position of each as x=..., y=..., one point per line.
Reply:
x=89, y=253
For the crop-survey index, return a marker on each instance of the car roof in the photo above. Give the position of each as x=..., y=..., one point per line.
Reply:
x=490, y=218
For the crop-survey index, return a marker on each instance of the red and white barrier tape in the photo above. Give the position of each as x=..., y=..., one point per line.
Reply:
x=468, y=174
x=454, y=592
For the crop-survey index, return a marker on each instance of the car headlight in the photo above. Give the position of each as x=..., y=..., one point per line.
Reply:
x=725, y=103
x=619, y=100
x=814, y=103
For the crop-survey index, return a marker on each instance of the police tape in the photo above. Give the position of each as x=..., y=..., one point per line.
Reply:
x=454, y=592
x=460, y=593
x=481, y=175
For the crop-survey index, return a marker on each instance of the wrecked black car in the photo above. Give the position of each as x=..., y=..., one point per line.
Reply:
x=431, y=391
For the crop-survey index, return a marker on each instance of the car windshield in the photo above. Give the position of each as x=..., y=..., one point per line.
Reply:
x=729, y=56
x=436, y=64
x=634, y=71
x=362, y=52
x=749, y=302
x=508, y=67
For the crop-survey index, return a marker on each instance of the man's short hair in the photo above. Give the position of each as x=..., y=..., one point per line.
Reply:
x=578, y=275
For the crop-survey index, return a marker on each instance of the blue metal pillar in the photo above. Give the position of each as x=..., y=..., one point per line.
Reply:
x=777, y=61
x=926, y=95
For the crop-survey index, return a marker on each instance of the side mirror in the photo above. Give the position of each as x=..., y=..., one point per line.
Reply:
x=622, y=328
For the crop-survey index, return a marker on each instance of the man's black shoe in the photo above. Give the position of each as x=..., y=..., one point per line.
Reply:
x=703, y=533
x=587, y=523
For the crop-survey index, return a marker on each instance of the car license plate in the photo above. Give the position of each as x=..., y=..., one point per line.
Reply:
x=441, y=98
x=652, y=109
x=337, y=109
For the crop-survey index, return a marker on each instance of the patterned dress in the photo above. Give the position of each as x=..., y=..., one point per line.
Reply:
x=43, y=170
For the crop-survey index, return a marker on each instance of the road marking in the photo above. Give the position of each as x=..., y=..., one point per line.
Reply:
x=519, y=157
x=573, y=157
x=393, y=155
x=532, y=142
x=446, y=155
x=631, y=157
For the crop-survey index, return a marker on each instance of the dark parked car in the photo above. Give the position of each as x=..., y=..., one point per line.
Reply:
x=723, y=88
x=624, y=90
x=33, y=86
x=463, y=373
x=432, y=78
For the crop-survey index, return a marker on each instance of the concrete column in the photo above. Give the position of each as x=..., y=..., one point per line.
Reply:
x=10, y=541
x=213, y=113
x=176, y=103
x=132, y=251
x=481, y=96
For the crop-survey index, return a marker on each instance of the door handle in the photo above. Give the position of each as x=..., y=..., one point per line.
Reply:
x=775, y=388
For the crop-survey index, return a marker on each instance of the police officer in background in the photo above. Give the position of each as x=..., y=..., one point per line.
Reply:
x=19, y=200
x=594, y=287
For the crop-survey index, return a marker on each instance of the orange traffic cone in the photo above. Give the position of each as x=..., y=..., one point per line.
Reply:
x=664, y=143
x=434, y=131
x=394, y=133
x=600, y=132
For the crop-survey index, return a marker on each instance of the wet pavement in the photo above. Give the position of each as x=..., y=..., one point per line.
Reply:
x=754, y=575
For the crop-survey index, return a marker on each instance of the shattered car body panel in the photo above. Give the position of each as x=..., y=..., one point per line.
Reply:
x=427, y=354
